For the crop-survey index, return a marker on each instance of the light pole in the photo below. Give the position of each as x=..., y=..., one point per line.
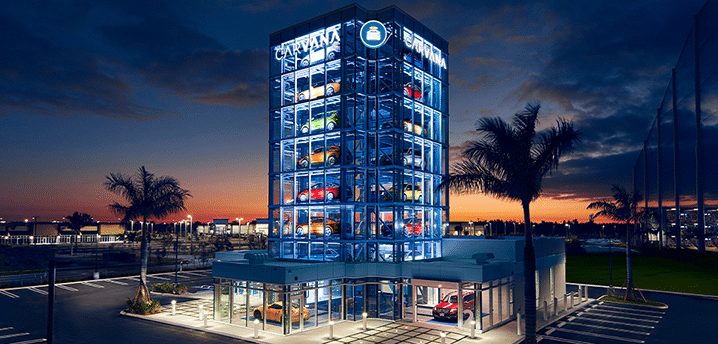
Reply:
x=239, y=220
x=190, y=224
x=176, y=254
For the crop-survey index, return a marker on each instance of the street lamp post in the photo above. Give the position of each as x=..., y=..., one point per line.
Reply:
x=190, y=224
x=176, y=254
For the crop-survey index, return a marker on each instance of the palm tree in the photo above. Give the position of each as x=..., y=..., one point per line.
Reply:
x=148, y=197
x=77, y=221
x=509, y=162
x=622, y=209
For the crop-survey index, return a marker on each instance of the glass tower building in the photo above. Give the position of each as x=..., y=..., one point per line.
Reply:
x=358, y=138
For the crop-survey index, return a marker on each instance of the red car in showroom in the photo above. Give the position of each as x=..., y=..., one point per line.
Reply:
x=317, y=191
x=449, y=306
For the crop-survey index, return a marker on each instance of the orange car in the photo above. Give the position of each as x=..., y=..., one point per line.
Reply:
x=415, y=128
x=274, y=312
x=318, y=227
x=317, y=157
x=319, y=90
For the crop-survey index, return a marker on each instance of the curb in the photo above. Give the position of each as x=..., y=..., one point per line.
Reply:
x=701, y=296
x=665, y=306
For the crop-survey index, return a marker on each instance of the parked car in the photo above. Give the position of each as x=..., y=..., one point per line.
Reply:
x=319, y=227
x=274, y=312
x=329, y=254
x=414, y=158
x=320, y=54
x=317, y=122
x=320, y=90
x=411, y=91
x=412, y=227
x=448, y=308
x=317, y=157
x=319, y=191
x=415, y=128
x=408, y=192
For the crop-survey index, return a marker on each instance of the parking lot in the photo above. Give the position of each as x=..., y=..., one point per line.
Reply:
x=23, y=318
x=602, y=322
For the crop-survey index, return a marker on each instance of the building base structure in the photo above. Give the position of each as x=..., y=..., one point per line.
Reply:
x=486, y=273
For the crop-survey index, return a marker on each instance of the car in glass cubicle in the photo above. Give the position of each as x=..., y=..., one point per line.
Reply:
x=317, y=122
x=317, y=157
x=320, y=90
x=319, y=191
x=448, y=308
x=320, y=54
x=275, y=310
x=319, y=227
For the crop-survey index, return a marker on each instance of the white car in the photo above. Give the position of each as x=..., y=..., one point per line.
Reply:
x=414, y=158
x=318, y=54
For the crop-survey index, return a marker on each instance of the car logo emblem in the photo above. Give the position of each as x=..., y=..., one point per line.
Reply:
x=373, y=34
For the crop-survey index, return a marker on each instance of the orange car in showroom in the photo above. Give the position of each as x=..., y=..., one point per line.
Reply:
x=274, y=312
x=320, y=90
x=317, y=157
x=449, y=306
x=318, y=227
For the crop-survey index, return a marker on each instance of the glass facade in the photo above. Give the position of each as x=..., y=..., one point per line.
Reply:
x=358, y=140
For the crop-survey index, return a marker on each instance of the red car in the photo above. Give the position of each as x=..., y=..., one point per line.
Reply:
x=412, y=227
x=449, y=306
x=411, y=91
x=319, y=192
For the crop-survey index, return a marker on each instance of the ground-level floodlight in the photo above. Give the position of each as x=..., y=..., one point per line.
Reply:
x=473, y=329
x=364, y=315
x=201, y=309
x=443, y=337
x=331, y=330
x=174, y=307
x=256, y=328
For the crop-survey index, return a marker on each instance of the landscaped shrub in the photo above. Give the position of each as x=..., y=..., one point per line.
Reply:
x=169, y=288
x=143, y=308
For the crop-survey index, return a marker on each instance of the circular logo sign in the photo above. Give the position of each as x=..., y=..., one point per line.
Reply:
x=373, y=34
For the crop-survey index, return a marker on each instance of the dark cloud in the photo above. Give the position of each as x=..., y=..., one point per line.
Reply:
x=40, y=77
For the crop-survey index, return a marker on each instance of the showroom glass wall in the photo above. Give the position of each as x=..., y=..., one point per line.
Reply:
x=358, y=140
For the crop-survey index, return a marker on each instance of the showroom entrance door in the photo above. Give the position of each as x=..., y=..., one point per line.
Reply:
x=440, y=302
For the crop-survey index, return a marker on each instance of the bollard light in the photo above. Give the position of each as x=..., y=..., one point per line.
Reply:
x=565, y=302
x=571, y=301
x=545, y=310
x=473, y=329
x=364, y=315
x=518, y=323
x=174, y=307
x=443, y=337
x=201, y=309
x=331, y=330
x=256, y=328
x=555, y=306
x=204, y=316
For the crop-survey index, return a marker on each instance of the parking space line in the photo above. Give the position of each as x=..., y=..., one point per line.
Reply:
x=8, y=294
x=620, y=317
x=564, y=340
x=31, y=341
x=634, y=309
x=159, y=278
x=15, y=335
x=6, y=328
x=613, y=329
x=37, y=290
x=65, y=287
x=194, y=274
x=606, y=336
x=92, y=285
x=612, y=322
x=133, y=279
x=622, y=313
x=115, y=282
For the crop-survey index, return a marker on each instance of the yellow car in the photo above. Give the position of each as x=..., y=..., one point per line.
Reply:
x=409, y=192
x=318, y=227
x=320, y=90
x=414, y=128
x=274, y=312
x=318, y=157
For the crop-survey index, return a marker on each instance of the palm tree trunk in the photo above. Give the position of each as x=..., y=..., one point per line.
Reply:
x=529, y=278
x=143, y=293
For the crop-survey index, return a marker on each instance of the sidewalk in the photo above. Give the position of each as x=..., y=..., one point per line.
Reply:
x=378, y=330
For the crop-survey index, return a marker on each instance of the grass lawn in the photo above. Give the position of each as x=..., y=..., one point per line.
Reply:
x=686, y=273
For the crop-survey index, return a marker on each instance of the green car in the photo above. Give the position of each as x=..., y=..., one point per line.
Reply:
x=317, y=122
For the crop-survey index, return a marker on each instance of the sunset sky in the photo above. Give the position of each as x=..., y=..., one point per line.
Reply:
x=89, y=88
